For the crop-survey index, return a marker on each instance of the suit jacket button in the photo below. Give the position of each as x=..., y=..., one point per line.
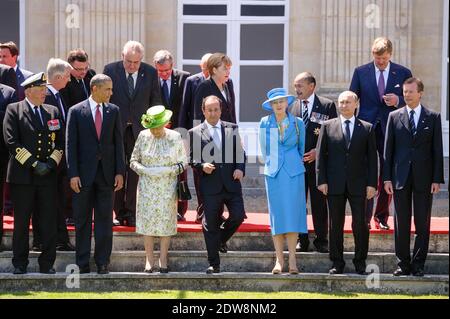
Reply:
x=48, y=150
x=37, y=156
x=39, y=149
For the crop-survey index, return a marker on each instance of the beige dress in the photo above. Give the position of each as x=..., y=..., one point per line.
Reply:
x=154, y=160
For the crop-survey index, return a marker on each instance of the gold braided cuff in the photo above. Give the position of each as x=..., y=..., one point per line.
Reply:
x=56, y=156
x=22, y=155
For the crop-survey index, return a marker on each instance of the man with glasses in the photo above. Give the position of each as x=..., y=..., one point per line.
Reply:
x=78, y=89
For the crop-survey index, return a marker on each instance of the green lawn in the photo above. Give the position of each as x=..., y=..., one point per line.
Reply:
x=179, y=294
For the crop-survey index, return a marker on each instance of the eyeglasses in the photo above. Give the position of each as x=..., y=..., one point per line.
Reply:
x=82, y=69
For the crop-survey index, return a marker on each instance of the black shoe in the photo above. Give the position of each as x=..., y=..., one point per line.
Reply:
x=148, y=270
x=213, y=270
x=36, y=247
x=131, y=221
x=418, y=273
x=401, y=272
x=381, y=224
x=301, y=248
x=102, y=270
x=180, y=218
x=65, y=247
x=336, y=271
x=164, y=270
x=223, y=248
x=85, y=270
x=321, y=248
x=20, y=270
x=70, y=221
x=49, y=271
x=361, y=271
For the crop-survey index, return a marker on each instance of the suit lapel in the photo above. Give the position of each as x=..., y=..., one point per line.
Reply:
x=423, y=119
x=140, y=79
x=105, y=119
x=123, y=79
x=205, y=133
x=405, y=119
x=291, y=129
x=173, y=86
x=340, y=133
x=373, y=78
x=356, y=133
x=29, y=113
x=87, y=115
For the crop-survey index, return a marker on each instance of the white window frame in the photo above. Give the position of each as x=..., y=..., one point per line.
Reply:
x=234, y=20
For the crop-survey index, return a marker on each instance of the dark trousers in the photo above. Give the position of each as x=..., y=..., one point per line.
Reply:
x=319, y=209
x=27, y=198
x=404, y=200
x=360, y=229
x=97, y=199
x=2, y=183
x=125, y=199
x=63, y=197
x=383, y=199
x=213, y=233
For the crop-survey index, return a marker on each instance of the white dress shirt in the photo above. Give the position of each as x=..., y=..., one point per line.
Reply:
x=417, y=112
x=352, y=125
x=38, y=110
x=385, y=73
x=93, y=106
x=310, y=104
x=211, y=130
x=133, y=75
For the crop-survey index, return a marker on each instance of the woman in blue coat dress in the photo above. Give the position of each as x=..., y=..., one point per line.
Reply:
x=282, y=142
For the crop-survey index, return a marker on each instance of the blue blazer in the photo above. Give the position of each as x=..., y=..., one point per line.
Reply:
x=287, y=153
x=364, y=84
x=84, y=151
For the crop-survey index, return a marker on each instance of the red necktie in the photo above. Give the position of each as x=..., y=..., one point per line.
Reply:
x=98, y=121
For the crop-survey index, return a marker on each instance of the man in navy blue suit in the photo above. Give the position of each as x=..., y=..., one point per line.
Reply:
x=378, y=85
x=96, y=165
x=9, y=54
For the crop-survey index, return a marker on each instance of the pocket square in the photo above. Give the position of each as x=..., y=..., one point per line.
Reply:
x=397, y=86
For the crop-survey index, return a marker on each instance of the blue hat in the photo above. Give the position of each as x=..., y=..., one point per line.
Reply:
x=275, y=94
x=38, y=79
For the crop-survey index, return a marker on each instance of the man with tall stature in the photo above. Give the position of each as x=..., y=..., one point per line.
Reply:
x=33, y=134
x=347, y=171
x=216, y=150
x=95, y=164
x=136, y=88
x=414, y=169
x=314, y=110
x=378, y=85
x=172, y=82
x=9, y=55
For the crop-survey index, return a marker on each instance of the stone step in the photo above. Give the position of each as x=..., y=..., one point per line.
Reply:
x=253, y=241
x=307, y=282
x=234, y=261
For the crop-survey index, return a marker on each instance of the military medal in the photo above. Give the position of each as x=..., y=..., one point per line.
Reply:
x=53, y=125
x=316, y=131
x=53, y=137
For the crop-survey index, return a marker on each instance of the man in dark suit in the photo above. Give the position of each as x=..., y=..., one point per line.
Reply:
x=9, y=54
x=58, y=72
x=7, y=96
x=95, y=164
x=78, y=89
x=216, y=149
x=8, y=76
x=172, y=82
x=378, y=85
x=347, y=170
x=136, y=89
x=413, y=171
x=33, y=134
x=314, y=110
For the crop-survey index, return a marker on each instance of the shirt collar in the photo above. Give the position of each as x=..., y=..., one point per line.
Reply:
x=29, y=102
x=310, y=100
x=219, y=124
x=52, y=89
x=417, y=110
x=15, y=68
x=387, y=68
x=352, y=119
x=94, y=104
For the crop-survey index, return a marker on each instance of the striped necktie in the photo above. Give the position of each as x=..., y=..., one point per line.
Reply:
x=305, y=112
x=412, y=124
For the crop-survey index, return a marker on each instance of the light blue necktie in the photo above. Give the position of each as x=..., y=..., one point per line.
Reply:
x=216, y=137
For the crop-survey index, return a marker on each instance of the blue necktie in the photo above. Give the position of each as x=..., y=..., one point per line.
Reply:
x=348, y=137
x=165, y=91
x=412, y=124
x=216, y=137
x=61, y=106
x=38, y=115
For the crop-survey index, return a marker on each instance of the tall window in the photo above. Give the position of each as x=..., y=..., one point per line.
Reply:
x=255, y=36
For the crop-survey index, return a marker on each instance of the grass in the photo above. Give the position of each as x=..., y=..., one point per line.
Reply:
x=188, y=294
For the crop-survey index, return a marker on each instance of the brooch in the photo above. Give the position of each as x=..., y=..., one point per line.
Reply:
x=316, y=131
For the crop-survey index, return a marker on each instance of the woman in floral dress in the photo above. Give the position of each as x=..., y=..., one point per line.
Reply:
x=156, y=154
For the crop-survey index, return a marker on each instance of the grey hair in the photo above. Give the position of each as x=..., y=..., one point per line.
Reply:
x=99, y=80
x=163, y=56
x=352, y=94
x=56, y=67
x=134, y=47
